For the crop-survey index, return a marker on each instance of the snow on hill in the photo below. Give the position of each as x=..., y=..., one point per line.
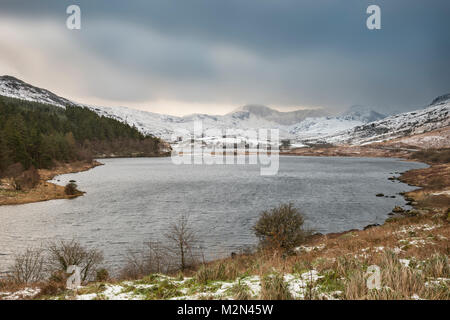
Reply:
x=15, y=88
x=435, y=116
x=358, y=125
x=363, y=114
x=281, y=118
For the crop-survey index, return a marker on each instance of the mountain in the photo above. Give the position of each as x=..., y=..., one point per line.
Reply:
x=357, y=125
x=315, y=127
x=433, y=117
x=244, y=118
x=282, y=118
x=362, y=113
x=15, y=88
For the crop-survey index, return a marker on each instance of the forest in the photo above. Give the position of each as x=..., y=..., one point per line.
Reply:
x=41, y=136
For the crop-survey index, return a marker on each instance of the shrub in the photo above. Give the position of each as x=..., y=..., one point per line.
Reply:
x=102, y=275
x=27, y=179
x=71, y=189
x=281, y=227
x=28, y=267
x=154, y=258
x=63, y=254
x=52, y=288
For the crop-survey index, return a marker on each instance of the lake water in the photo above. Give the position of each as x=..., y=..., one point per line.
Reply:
x=131, y=201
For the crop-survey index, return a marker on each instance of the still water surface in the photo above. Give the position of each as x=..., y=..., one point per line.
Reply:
x=130, y=201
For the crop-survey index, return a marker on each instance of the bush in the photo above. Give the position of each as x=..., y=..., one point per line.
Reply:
x=154, y=258
x=28, y=267
x=102, y=275
x=27, y=179
x=66, y=253
x=71, y=189
x=281, y=227
x=51, y=288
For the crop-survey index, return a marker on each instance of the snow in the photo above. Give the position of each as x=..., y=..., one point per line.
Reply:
x=400, y=125
x=302, y=127
x=21, y=294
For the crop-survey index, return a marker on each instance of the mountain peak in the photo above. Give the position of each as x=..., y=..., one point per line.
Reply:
x=16, y=88
x=440, y=99
x=283, y=118
x=363, y=113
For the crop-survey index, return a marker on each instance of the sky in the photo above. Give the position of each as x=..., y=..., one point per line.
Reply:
x=210, y=56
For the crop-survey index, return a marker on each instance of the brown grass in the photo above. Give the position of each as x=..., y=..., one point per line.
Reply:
x=44, y=190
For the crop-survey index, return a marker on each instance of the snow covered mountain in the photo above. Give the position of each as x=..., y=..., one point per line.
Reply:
x=282, y=118
x=362, y=113
x=358, y=125
x=15, y=88
x=435, y=116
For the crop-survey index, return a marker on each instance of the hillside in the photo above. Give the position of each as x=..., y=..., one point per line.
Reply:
x=39, y=135
x=433, y=117
x=359, y=125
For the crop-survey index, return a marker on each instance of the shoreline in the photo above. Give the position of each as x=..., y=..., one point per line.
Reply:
x=45, y=190
x=413, y=243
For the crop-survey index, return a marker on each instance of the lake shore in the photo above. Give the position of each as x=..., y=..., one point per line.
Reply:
x=45, y=190
x=410, y=247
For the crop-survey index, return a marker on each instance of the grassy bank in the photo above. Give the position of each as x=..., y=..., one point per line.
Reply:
x=45, y=190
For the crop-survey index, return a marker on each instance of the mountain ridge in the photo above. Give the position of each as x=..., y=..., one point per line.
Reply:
x=357, y=125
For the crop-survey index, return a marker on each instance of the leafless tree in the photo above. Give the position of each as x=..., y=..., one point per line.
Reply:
x=181, y=238
x=153, y=258
x=28, y=267
x=65, y=253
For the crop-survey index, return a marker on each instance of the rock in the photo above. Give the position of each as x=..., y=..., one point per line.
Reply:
x=398, y=209
x=418, y=212
x=392, y=178
x=371, y=226
x=380, y=195
x=392, y=196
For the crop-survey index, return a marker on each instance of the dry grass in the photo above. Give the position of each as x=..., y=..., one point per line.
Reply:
x=273, y=287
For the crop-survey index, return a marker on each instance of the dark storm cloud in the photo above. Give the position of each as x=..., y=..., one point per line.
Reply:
x=284, y=52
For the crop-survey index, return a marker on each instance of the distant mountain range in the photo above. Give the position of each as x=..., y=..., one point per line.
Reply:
x=357, y=125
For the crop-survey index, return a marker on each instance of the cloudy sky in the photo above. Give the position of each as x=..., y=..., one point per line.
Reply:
x=212, y=56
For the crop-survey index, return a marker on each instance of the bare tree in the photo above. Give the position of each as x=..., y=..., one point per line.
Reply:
x=182, y=238
x=154, y=258
x=28, y=267
x=66, y=253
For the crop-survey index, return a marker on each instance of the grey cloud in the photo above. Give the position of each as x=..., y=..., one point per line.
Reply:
x=284, y=52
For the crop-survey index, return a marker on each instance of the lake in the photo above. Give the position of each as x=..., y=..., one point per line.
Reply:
x=131, y=201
